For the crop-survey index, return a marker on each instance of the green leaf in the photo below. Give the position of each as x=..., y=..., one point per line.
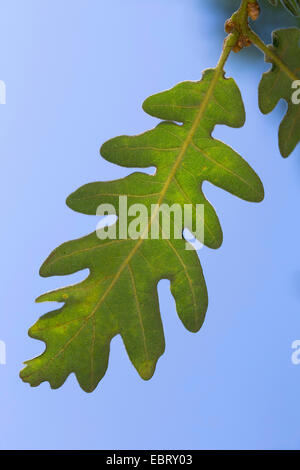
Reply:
x=120, y=294
x=276, y=84
x=293, y=6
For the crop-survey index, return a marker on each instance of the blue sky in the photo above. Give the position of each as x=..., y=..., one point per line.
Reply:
x=76, y=74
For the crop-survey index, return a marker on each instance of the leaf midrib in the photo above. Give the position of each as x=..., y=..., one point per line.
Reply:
x=177, y=163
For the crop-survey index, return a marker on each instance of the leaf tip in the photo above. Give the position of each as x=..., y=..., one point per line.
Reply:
x=39, y=299
x=43, y=272
x=260, y=194
x=146, y=370
x=146, y=105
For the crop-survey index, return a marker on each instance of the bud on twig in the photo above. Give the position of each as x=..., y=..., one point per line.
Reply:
x=253, y=10
x=229, y=26
x=242, y=42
